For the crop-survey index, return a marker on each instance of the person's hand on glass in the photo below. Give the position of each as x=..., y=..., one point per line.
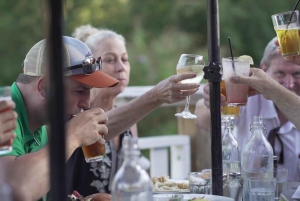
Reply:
x=206, y=97
x=171, y=90
x=258, y=80
x=7, y=121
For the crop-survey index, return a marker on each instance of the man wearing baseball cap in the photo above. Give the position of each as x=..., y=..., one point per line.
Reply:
x=29, y=161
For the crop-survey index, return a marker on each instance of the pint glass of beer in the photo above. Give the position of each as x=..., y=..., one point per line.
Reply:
x=94, y=152
x=287, y=28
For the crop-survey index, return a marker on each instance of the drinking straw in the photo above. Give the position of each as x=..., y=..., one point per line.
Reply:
x=233, y=66
x=292, y=13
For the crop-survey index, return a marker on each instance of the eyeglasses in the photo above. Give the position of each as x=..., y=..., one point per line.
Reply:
x=88, y=66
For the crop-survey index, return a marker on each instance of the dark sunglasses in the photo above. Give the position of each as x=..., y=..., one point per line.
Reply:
x=88, y=66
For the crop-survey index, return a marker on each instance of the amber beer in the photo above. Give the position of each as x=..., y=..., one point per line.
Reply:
x=232, y=111
x=94, y=152
x=288, y=41
x=287, y=27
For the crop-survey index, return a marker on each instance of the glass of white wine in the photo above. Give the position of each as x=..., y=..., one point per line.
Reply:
x=190, y=63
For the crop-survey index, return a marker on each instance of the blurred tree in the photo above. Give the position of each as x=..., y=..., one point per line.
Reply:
x=157, y=32
x=21, y=27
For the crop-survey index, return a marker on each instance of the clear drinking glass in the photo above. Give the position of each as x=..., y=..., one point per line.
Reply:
x=190, y=63
x=228, y=112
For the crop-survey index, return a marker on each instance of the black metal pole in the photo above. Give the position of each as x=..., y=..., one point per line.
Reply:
x=212, y=73
x=56, y=102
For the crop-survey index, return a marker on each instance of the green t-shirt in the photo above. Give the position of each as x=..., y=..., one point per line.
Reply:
x=25, y=141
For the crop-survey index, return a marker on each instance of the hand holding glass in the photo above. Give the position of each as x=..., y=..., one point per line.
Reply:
x=5, y=95
x=190, y=63
x=236, y=94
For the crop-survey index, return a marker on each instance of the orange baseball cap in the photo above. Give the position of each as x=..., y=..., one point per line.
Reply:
x=78, y=63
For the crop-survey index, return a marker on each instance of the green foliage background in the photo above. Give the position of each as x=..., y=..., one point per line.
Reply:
x=157, y=32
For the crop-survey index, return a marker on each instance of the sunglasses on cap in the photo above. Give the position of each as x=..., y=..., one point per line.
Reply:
x=88, y=66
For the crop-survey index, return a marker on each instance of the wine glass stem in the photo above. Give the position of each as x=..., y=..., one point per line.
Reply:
x=187, y=103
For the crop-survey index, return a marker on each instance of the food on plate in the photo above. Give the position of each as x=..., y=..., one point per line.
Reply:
x=282, y=198
x=198, y=199
x=95, y=197
x=163, y=183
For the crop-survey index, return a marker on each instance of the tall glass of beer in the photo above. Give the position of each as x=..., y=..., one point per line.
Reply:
x=287, y=27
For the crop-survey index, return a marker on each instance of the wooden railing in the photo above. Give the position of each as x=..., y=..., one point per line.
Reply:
x=177, y=146
x=199, y=139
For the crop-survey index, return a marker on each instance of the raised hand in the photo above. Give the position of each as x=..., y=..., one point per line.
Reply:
x=258, y=80
x=84, y=128
x=206, y=97
x=171, y=90
x=7, y=122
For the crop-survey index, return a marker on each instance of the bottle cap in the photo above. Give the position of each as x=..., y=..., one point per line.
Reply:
x=131, y=144
x=234, y=175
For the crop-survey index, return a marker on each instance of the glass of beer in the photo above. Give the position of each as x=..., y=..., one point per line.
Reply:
x=287, y=28
x=5, y=95
x=228, y=111
x=236, y=94
x=94, y=152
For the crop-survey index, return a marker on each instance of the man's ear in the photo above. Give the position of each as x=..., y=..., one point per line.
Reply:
x=41, y=85
x=263, y=67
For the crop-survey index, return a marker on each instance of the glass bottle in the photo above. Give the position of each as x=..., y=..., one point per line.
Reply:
x=257, y=156
x=131, y=182
x=233, y=187
x=230, y=149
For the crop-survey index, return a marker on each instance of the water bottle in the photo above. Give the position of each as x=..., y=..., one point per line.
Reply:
x=131, y=182
x=257, y=156
x=230, y=149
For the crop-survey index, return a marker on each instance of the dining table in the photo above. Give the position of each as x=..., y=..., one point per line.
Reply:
x=290, y=190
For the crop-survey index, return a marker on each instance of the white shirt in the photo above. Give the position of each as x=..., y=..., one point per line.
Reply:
x=288, y=133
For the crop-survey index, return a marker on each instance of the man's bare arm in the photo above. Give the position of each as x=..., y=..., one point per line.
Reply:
x=28, y=175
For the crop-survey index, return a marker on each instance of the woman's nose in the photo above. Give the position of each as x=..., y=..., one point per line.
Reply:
x=120, y=66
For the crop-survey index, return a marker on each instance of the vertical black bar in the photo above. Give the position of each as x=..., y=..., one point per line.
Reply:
x=214, y=62
x=56, y=102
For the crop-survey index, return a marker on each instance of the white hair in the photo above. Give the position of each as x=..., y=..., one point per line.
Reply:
x=83, y=32
x=92, y=36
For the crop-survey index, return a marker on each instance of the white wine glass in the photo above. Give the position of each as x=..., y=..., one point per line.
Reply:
x=190, y=63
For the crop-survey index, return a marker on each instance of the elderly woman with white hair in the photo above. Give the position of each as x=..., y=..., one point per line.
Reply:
x=89, y=178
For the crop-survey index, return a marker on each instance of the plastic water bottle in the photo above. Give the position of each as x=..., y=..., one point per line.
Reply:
x=230, y=149
x=131, y=182
x=257, y=156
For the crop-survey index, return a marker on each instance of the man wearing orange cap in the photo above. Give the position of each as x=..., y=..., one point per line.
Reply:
x=29, y=161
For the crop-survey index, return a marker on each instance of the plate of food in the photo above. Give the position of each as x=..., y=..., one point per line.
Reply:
x=163, y=184
x=198, y=197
